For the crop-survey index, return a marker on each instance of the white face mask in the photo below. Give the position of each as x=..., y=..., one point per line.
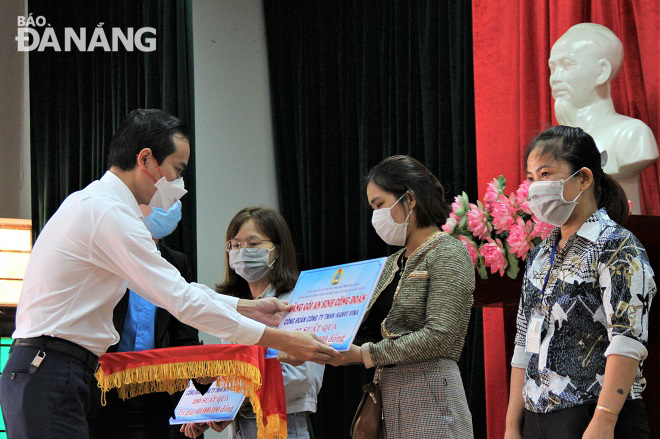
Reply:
x=546, y=200
x=388, y=230
x=168, y=193
x=250, y=263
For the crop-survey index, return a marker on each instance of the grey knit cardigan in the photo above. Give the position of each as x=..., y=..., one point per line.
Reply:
x=431, y=307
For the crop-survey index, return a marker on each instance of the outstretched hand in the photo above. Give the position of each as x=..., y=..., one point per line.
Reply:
x=269, y=311
x=283, y=357
x=218, y=425
x=302, y=346
x=194, y=429
x=352, y=355
x=305, y=346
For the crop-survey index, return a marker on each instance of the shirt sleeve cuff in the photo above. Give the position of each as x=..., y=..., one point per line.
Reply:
x=366, y=355
x=248, y=332
x=231, y=301
x=628, y=347
x=520, y=357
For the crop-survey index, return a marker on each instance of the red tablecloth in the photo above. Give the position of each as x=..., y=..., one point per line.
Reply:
x=239, y=368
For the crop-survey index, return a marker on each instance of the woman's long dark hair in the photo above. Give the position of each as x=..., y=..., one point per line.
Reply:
x=401, y=173
x=284, y=273
x=577, y=148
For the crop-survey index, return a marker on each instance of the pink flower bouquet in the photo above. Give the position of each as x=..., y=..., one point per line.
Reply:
x=498, y=231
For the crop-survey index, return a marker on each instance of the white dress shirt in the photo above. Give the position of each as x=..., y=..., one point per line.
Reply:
x=89, y=252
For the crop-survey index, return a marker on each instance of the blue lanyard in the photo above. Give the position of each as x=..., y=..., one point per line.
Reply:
x=547, y=276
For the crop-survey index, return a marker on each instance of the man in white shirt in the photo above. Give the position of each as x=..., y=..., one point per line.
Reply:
x=92, y=249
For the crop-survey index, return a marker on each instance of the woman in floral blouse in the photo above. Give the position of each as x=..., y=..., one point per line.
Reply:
x=583, y=313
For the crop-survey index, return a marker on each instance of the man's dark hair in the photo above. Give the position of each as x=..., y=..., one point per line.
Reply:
x=144, y=129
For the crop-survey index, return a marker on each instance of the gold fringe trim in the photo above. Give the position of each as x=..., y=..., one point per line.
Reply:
x=275, y=427
x=237, y=376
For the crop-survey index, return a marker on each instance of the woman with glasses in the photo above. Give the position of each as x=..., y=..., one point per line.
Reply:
x=417, y=319
x=261, y=262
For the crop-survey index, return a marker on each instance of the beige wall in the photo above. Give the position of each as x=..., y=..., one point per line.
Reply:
x=234, y=143
x=233, y=135
x=14, y=117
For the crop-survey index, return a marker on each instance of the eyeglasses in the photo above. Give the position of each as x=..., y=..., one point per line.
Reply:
x=252, y=243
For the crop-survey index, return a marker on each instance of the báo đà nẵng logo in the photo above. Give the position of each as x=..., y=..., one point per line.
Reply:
x=37, y=34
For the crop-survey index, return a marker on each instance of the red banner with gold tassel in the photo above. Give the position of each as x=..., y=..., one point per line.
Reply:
x=239, y=368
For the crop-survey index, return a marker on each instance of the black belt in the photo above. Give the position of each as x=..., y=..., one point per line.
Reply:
x=48, y=343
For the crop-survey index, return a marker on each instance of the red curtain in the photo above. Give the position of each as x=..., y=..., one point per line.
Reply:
x=512, y=41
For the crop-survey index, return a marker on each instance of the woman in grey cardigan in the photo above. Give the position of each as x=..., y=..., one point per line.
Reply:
x=417, y=319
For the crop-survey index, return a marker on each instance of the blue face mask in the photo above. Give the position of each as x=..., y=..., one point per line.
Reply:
x=161, y=222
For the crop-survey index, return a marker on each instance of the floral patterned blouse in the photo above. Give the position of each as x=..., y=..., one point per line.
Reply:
x=596, y=303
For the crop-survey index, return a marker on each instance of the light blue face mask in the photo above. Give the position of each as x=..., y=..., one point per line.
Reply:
x=161, y=222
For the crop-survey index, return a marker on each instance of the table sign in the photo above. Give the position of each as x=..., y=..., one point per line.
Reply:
x=217, y=404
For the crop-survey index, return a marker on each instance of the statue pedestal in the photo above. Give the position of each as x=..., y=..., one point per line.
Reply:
x=499, y=297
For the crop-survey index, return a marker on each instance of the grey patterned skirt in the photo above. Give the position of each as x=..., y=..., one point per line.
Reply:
x=425, y=400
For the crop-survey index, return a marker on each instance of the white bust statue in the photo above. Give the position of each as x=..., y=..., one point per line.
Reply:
x=582, y=63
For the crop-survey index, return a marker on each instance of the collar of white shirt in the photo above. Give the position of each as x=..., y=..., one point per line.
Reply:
x=123, y=191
